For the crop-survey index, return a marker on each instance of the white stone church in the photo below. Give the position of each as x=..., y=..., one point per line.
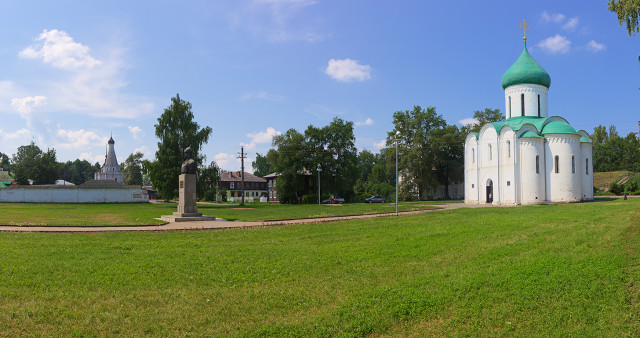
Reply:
x=110, y=170
x=530, y=158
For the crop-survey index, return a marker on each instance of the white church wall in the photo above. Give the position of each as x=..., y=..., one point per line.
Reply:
x=532, y=179
x=531, y=92
x=470, y=170
x=488, y=163
x=507, y=166
x=565, y=185
x=587, y=171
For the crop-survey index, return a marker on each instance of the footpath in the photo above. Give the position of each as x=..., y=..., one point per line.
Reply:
x=222, y=224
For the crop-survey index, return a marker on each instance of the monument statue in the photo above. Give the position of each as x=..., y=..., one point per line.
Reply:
x=189, y=165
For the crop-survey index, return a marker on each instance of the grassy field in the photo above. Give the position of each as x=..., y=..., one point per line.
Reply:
x=143, y=214
x=559, y=270
x=603, y=180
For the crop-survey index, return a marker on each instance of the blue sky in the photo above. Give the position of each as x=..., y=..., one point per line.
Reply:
x=73, y=72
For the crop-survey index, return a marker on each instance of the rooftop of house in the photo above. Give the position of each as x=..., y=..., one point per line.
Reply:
x=234, y=176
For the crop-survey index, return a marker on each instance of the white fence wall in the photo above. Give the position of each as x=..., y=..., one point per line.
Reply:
x=57, y=194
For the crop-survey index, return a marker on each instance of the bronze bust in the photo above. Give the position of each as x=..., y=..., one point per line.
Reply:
x=189, y=165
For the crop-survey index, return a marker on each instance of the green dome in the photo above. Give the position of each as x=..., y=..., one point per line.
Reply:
x=525, y=70
x=558, y=127
x=529, y=133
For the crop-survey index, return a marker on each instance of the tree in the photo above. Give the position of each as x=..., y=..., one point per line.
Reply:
x=4, y=161
x=628, y=12
x=176, y=130
x=208, y=178
x=261, y=166
x=132, y=169
x=415, y=129
x=485, y=116
x=366, y=161
x=77, y=172
x=287, y=160
x=31, y=163
x=447, y=147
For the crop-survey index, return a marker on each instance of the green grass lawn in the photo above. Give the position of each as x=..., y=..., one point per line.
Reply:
x=604, y=179
x=143, y=214
x=561, y=270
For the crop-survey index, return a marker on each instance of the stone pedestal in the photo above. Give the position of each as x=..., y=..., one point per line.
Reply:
x=187, y=207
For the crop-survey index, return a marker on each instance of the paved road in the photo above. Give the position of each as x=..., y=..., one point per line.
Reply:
x=221, y=224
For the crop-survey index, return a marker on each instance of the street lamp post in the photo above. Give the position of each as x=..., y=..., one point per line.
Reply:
x=397, y=134
x=319, y=170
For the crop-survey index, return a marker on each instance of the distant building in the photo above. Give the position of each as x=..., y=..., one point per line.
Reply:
x=254, y=186
x=110, y=170
x=272, y=190
x=6, y=179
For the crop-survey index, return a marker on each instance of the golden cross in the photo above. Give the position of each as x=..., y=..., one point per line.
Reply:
x=524, y=28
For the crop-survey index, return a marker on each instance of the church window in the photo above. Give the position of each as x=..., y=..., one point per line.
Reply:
x=473, y=155
x=557, y=163
x=538, y=105
x=508, y=149
x=509, y=106
x=472, y=186
x=573, y=164
x=508, y=183
x=537, y=164
x=587, y=166
x=489, y=152
x=522, y=103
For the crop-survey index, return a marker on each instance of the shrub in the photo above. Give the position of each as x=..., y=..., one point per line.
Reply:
x=363, y=196
x=616, y=189
x=210, y=195
x=309, y=199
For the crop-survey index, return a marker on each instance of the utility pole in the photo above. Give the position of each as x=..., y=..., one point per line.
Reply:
x=242, y=157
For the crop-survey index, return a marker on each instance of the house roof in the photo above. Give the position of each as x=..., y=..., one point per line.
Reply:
x=231, y=176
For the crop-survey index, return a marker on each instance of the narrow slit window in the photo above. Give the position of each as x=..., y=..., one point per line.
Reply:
x=573, y=164
x=489, y=152
x=537, y=164
x=587, y=166
x=522, y=103
x=473, y=155
x=538, y=105
x=508, y=149
x=557, y=163
x=509, y=106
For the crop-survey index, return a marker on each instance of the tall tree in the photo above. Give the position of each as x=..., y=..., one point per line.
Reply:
x=287, y=160
x=628, y=12
x=176, y=130
x=4, y=161
x=261, y=166
x=208, y=178
x=415, y=129
x=485, y=116
x=78, y=171
x=132, y=169
x=31, y=163
x=447, y=147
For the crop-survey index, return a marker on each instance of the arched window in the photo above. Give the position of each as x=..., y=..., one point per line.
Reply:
x=522, y=103
x=509, y=106
x=557, y=162
x=587, y=166
x=473, y=155
x=489, y=152
x=508, y=149
x=538, y=105
x=537, y=164
x=573, y=164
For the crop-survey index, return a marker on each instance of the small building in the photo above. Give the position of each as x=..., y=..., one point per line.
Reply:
x=110, y=170
x=254, y=186
x=272, y=190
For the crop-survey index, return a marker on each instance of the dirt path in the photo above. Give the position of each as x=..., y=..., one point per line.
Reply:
x=222, y=224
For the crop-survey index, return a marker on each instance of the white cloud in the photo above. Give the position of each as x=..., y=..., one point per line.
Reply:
x=380, y=145
x=367, y=122
x=89, y=157
x=262, y=95
x=78, y=138
x=227, y=161
x=22, y=134
x=553, y=17
x=468, y=121
x=144, y=150
x=348, y=70
x=136, y=132
x=595, y=46
x=571, y=24
x=260, y=137
x=94, y=87
x=25, y=105
x=555, y=44
x=59, y=50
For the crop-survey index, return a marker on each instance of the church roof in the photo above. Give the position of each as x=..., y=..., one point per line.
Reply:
x=525, y=70
x=542, y=125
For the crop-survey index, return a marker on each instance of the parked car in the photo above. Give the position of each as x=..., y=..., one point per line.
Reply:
x=336, y=200
x=375, y=199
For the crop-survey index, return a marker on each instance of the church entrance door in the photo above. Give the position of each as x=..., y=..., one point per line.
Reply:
x=489, y=191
